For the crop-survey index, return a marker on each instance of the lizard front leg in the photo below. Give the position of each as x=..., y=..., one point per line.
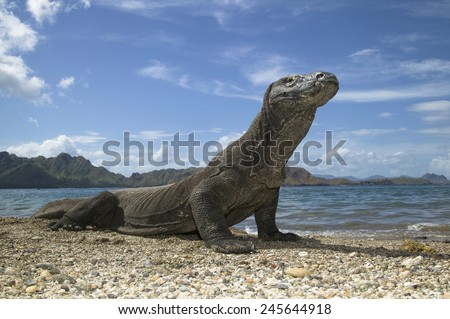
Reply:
x=265, y=220
x=209, y=201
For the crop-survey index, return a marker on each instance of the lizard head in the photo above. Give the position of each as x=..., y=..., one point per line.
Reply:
x=302, y=91
x=292, y=101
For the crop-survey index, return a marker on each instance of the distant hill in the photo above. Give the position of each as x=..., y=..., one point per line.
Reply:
x=426, y=179
x=61, y=171
x=65, y=170
x=435, y=179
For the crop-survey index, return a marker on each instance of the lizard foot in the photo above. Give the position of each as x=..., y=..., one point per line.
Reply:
x=232, y=245
x=64, y=223
x=279, y=236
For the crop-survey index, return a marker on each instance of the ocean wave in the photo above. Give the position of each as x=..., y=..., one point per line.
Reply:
x=429, y=227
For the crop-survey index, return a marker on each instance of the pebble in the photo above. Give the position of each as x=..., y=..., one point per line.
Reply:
x=404, y=274
x=45, y=274
x=281, y=285
x=410, y=262
x=47, y=266
x=183, y=288
x=303, y=254
x=9, y=271
x=297, y=272
x=31, y=289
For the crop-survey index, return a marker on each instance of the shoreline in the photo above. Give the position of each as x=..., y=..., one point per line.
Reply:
x=38, y=263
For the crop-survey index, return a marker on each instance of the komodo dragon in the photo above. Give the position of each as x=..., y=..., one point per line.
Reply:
x=242, y=180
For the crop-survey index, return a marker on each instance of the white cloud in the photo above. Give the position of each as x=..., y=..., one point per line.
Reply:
x=221, y=10
x=365, y=53
x=435, y=8
x=52, y=147
x=159, y=71
x=65, y=83
x=420, y=91
x=152, y=135
x=441, y=165
x=235, y=54
x=375, y=132
x=227, y=139
x=33, y=121
x=47, y=148
x=88, y=137
x=43, y=10
x=86, y=3
x=16, y=78
x=233, y=91
x=424, y=67
x=436, y=131
x=434, y=106
x=405, y=38
x=275, y=67
x=433, y=111
x=15, y=36
x=386, y=115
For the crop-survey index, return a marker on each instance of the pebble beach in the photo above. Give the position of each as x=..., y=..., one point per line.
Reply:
x=38, y=263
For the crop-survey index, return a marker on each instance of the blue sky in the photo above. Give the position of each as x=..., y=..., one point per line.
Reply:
x=76, y=74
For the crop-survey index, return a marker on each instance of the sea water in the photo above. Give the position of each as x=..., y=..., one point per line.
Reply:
x=368, y=211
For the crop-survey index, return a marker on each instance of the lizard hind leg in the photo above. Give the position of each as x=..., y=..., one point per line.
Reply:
x=96, y=211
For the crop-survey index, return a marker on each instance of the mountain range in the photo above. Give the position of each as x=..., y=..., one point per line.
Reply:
x=65, y=170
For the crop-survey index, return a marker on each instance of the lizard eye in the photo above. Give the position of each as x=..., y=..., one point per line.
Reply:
x=290, y=81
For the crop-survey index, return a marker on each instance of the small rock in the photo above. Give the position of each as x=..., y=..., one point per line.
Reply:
x=249, y=280
x=55, y=271
x=404, y=274
x=47, y=266
x=303, y=254
x=297, y=272
x=183, y=288
x=148, y=263
x=62, y=278
x=95, y=273
x=45, y=274
x=281, y=285
x=31, y=289
x=353, y=254
x=9, y=271
x=16, y=292
x=409, y=262
x=65, y=287
x=29, y=282
x=154, y=278
x=118, y=241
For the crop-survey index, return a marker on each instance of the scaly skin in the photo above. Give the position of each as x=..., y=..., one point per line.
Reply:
x=242, y=180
